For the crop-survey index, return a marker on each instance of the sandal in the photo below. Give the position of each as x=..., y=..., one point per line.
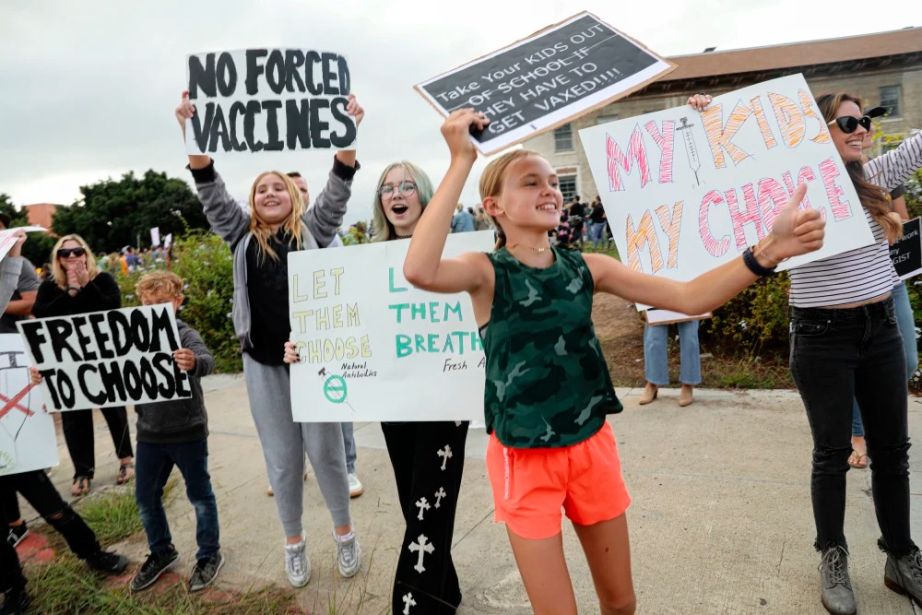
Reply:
x=81, y=486
x=857, y=460
x=125, y=473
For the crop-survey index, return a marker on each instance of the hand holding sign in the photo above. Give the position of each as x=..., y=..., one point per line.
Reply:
x=795, y=231
x=456, y=130
x=184, y=359
x=16, y=250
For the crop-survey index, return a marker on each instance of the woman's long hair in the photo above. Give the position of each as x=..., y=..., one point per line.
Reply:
x=873, y=198
x=383, y=229
x=292, y=225
x=491, y=184
x=57, y=270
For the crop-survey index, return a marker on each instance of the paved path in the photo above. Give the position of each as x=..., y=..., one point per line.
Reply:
x=720, y=522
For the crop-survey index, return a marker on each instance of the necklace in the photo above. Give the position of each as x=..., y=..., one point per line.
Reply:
x=541, y=250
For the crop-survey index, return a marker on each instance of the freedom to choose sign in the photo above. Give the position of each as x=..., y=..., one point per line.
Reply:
x=545, y=80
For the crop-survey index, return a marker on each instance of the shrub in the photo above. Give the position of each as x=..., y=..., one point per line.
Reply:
x=755, y=321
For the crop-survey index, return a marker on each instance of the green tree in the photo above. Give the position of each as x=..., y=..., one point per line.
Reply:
x=114, y=213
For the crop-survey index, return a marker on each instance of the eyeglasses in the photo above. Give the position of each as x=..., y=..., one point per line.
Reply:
x=849, y=123
x=405, y=187
x=65, y=252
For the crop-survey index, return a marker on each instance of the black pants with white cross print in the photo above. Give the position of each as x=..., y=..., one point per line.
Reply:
x=428, y=460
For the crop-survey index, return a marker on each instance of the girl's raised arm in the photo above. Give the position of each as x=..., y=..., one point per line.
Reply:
x=184, y=112
x=794, y=232
x=424, y=266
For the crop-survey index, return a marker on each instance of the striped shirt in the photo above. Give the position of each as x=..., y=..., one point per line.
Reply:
x=867, y=272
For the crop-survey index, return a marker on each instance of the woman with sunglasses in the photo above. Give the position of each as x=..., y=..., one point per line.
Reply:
x=76, y=286
x=845, y=344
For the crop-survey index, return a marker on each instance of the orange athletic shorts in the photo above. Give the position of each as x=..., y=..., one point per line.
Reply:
x=531, y=486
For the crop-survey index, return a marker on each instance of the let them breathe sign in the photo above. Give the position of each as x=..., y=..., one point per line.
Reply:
x=545, y=80
x=108, y=358
x=257, y=100
x=373, y=347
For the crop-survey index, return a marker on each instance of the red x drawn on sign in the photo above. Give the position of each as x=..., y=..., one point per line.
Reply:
x=14, y=402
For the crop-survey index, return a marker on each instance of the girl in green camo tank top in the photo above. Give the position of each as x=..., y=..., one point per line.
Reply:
x=547, y=386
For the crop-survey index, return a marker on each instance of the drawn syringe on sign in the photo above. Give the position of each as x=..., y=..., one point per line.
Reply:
x=694, y=163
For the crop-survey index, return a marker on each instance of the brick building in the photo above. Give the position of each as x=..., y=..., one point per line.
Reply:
x=883, y=69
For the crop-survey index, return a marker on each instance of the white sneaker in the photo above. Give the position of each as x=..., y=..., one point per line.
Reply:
x=348, y=554
x=297, y=565
x=355, y=486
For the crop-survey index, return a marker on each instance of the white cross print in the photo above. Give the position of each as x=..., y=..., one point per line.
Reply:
x=439, y=495
x=408, y=601
x=423, y=505
x=445, y=454
x=423, y=546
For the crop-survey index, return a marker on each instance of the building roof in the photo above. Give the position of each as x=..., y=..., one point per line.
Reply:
x=793, y=55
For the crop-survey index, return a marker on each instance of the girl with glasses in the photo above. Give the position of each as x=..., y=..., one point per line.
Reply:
x=76, y=286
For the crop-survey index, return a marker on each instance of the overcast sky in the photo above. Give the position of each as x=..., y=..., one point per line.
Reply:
x=89, y=87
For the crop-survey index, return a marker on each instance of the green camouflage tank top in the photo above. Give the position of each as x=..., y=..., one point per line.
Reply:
x=547, y=383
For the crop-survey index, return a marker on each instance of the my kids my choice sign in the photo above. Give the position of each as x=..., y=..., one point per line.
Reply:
x=545, y=80
x=373, y=347
x=686, y=191
x=256, y=100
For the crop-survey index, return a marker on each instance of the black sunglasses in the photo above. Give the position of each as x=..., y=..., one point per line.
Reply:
x=848, y=123
x=65, y=252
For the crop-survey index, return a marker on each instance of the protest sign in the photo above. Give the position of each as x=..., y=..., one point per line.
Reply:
x=906, y=254
x=110, y=358
x=27, y=439
x=373, y=347
x=545, y=80
x=155, y=237
x=686, y=191
x=8, y=237
x=268, y=100
x=658, y=316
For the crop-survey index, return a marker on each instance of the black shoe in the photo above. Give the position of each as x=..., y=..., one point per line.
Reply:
x=17, y=601
x=205, y=572
x=17, y=533
x=904, y=575
x=108, y=562
x=152, y=568
x=836, y=587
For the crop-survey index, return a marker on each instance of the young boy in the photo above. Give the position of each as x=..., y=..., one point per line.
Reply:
x=176, y=433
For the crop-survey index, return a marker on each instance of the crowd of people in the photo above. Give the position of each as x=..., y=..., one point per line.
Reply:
x=552, y=451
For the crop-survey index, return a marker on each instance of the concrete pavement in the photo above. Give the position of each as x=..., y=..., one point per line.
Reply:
x=720, y=521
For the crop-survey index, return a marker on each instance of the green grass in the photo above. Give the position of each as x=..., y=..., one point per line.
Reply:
x=67, y=586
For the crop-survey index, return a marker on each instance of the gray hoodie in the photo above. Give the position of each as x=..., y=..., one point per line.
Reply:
x=232, y=224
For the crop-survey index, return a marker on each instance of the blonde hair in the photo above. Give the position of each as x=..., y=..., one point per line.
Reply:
x=384, y=230
x=57, y=270
x=873, y=198
x=491, y=183
x=292, y=225
x=159, y=284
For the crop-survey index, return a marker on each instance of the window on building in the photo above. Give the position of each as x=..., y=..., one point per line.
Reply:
x=563, y=139
x=567, y=187
x=890, y=99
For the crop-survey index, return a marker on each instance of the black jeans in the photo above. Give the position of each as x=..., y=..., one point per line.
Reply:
x=35, y=487
x=78, y=434
x=838, y=355
x=428, y=485
x=154, y=464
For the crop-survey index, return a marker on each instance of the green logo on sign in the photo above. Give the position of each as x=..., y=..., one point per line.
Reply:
x=334, y=389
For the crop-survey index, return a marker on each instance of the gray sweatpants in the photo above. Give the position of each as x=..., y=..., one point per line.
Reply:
x=284, y=443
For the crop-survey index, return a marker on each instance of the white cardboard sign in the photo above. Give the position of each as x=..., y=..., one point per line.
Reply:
x=373, y=347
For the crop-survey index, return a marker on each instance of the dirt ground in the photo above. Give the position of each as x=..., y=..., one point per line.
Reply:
x=620, y=330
